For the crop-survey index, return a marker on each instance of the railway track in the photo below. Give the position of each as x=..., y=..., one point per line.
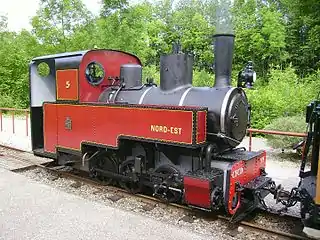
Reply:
x=63, y=172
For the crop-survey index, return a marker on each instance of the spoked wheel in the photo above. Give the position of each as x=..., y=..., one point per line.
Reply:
x=166, y=194
x=108, y=163
x=127, y=169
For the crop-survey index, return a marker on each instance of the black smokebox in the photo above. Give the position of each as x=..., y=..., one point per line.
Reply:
x=223, y=55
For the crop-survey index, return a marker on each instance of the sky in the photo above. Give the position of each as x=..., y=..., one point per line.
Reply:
x=19, y=12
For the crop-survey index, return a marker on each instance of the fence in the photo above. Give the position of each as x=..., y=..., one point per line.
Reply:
x=26, y=112
x=12, y=112
x=272, y=132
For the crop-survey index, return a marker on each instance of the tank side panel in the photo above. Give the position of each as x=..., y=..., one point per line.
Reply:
x=50, y=130
x=105, y=125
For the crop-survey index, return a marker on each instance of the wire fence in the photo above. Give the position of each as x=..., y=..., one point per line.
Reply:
x=14, y=113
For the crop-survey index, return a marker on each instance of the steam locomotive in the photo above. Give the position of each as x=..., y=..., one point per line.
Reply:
x=91, y=111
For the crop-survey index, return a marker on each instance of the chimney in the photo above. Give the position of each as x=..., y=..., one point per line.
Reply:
x=223, y=52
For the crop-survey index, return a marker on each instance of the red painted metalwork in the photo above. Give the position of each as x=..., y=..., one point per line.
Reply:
x=202, y=126
x=272, y=132
x=244, y=172
x=69, y=125
x=197, y=191
x=50, y=127
x=111, y=62
x=254, y=166
x=67, y=84
x=237, y=174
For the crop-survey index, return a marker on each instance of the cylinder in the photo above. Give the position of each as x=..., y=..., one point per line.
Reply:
x=175, y=71
x=131, y=75
x=223, y=54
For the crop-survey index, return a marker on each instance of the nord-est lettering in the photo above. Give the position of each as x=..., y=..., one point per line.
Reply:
x=166, y=129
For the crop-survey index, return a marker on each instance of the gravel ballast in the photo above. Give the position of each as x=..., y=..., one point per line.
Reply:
x=176, y=217
x=283, y=171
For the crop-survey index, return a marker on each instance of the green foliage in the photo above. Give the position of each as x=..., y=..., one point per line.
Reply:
x=200, y=78
x=302, y=33
x=43, y=69
x=151, y=71
x=260, y=35
x=288, y=124
x=56, y=22
x=8, y=102
x=108, y=6
x=284, y=95
x=281, y=37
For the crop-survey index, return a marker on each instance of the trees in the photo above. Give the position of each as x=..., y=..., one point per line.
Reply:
x=260, y=32
x=279, y=36
x=303, y=33
x=56, y=22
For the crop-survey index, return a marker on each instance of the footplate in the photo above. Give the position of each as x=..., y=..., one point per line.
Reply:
x=258, y=183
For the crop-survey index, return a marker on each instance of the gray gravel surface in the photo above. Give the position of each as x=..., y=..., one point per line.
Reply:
x=29, y=210
x=214, y=229
x=283, y=170
x=11, y=159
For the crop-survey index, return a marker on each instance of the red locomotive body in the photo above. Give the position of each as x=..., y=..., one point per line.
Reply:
x=93, y=112
x=70, y=125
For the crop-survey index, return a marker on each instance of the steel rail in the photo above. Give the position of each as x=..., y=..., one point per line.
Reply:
x=142, y=197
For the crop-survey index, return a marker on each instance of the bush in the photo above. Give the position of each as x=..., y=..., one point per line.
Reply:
x=151, y=71
x=288, y=124
x=202, y=79
x=284, y=95
x=8, y=102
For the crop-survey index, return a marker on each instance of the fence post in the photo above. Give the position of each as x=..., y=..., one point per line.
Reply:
x=27, y=123
x=13, y=122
